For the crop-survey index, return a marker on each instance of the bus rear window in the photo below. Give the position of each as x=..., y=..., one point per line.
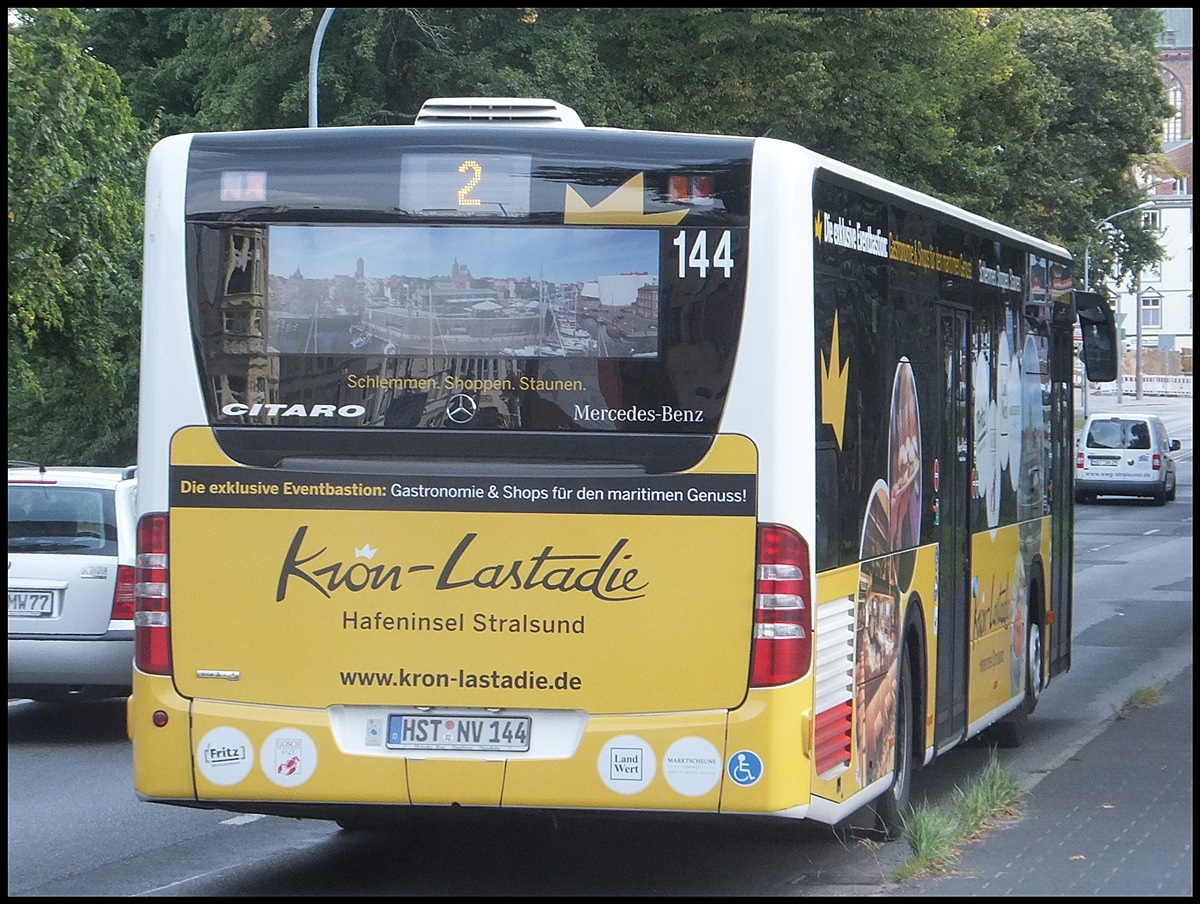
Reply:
x=499, y=327
x=463, y=291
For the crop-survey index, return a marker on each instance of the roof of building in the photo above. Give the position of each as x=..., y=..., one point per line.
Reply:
x=1177, y=29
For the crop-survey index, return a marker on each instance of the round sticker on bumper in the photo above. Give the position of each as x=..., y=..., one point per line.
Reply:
x=288, y=757
x=745, y=768
x=692, y=766
x=626, y=764
x=225, y=756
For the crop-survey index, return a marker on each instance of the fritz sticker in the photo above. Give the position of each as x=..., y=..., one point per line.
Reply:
x=745, y=768
x=626, y=764
x=225, y=756
x=288, y=757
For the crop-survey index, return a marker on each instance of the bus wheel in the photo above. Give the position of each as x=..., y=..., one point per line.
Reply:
x=1010, y=731
x=892, y=808
x=1034, y=668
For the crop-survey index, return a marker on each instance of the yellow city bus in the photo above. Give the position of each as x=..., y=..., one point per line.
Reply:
x=501, y=462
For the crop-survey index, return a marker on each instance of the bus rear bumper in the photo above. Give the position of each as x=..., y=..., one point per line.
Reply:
x=322, y=763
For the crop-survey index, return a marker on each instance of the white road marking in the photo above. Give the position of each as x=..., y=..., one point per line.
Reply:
x=242, y=819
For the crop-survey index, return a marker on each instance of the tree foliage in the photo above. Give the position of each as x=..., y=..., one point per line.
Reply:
x=1037, y=117
x=1102, y=107
x=75, y=170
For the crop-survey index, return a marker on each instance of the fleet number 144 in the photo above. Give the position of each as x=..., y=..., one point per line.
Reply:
x=696, y=256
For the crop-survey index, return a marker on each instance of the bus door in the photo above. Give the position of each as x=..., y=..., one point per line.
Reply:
x=952, y=483
x=1062, y=511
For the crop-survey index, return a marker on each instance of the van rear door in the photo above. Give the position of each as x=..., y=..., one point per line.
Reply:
x=1119, y=449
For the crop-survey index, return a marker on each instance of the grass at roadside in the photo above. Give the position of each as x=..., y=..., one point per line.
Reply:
x=1142, y=697
x=935, y=834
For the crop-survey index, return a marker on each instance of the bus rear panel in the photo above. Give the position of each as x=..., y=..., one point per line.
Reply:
x=446, y=516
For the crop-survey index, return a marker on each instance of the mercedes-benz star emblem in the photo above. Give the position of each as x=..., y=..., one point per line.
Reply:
x=461, y=408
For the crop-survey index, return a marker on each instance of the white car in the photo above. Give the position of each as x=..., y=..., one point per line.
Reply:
x=1126, y=454
x=71, y=555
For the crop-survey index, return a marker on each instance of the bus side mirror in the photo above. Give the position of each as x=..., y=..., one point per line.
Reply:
x=1099, y=331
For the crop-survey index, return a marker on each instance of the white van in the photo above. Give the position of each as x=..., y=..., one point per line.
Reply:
x=1127, y=454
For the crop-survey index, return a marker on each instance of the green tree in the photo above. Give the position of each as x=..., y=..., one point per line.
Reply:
x=1028, y=115
x=1102, y=104
x=1040, y=118
x=76, y=159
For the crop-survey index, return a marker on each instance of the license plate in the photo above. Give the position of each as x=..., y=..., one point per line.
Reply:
x=1104, y=462
x=30, y=603
x=454, y=731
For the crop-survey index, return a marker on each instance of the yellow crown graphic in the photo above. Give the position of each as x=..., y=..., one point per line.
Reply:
x=626, y=206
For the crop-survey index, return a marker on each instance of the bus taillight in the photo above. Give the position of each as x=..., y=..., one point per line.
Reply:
x=152, y=613
x=782, y=648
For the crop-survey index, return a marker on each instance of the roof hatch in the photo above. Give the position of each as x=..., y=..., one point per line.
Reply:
x=497, y=110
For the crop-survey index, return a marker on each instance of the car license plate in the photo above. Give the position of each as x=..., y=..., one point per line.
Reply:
x=30, y=603
x=455, y=731
x=1104, y=462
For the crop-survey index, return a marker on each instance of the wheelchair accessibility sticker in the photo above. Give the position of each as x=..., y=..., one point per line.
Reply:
x=745, y=768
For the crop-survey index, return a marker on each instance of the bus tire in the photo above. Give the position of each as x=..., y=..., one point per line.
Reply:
x=891, y=809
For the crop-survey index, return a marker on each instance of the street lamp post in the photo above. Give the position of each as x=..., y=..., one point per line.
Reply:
x=1087, y=251
x=1137, y=349
x=1087, y=287
x=313, y=56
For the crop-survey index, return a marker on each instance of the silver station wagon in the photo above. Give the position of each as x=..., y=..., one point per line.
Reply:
x=1127, y=454
x=71, y=554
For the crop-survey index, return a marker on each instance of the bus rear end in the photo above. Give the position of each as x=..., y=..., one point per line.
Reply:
x=436, y=507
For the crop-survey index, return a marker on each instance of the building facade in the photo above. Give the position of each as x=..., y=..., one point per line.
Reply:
x=1154, y=307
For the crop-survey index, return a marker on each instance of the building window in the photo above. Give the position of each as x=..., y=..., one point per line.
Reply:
x=1152, y=312
x=243, y=262
x=237, y=322
x=1173, y=127
x=229, y=388
x=243, y=321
